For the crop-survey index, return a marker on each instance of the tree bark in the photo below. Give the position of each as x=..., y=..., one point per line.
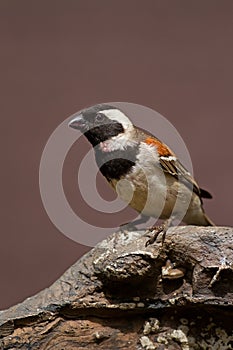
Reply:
x=123, y=295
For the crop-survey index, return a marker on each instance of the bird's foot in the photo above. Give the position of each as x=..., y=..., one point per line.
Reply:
x=153, y=233
x=156, y=230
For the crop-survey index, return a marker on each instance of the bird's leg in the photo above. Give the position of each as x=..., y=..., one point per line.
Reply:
x=156, y=230
x=143, y=219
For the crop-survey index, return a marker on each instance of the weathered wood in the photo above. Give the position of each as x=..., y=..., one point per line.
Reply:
x=123, y=295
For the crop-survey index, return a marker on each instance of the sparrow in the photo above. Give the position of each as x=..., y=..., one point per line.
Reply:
x=143, y=170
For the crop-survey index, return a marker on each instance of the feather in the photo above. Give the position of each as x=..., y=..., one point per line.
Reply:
x=170, y=164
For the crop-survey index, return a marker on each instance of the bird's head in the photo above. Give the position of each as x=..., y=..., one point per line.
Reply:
x=101, y=123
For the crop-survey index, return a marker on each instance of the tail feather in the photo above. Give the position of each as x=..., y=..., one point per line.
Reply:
x=208, y=221
x=205, y=194
x=198, y=219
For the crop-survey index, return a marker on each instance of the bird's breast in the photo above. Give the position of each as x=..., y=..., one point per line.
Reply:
x=116, y=164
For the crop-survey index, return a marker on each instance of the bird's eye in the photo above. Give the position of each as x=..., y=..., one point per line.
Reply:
x=99, y=117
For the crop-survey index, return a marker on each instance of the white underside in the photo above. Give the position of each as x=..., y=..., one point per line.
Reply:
x=165, y=196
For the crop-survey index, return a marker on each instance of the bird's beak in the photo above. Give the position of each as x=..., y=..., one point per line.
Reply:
x=77, y=122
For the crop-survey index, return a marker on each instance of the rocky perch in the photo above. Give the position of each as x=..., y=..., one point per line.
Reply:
x=123, y=295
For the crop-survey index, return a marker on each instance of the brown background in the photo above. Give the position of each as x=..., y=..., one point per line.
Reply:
x=60, y=56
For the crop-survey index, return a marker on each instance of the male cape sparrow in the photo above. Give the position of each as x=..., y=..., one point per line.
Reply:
x=141, y=169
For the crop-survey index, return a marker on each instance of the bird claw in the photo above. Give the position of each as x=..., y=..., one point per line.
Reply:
x=156, y=230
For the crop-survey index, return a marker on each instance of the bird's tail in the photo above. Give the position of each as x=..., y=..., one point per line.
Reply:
x=207, y=221
x=200, y=219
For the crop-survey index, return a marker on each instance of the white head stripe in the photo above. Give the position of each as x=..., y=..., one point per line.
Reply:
x=116, y=114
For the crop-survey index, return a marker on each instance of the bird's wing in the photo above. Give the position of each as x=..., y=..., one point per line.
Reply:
x=171, y=165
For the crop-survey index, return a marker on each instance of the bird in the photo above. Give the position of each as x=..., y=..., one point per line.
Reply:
x=143, y=170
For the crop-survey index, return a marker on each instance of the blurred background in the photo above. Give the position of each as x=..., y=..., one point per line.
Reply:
x=58, y=57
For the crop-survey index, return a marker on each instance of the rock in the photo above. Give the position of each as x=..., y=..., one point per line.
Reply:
x=123, y=295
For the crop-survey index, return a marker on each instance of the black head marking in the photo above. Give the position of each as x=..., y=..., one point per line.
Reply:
x=99, y=127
